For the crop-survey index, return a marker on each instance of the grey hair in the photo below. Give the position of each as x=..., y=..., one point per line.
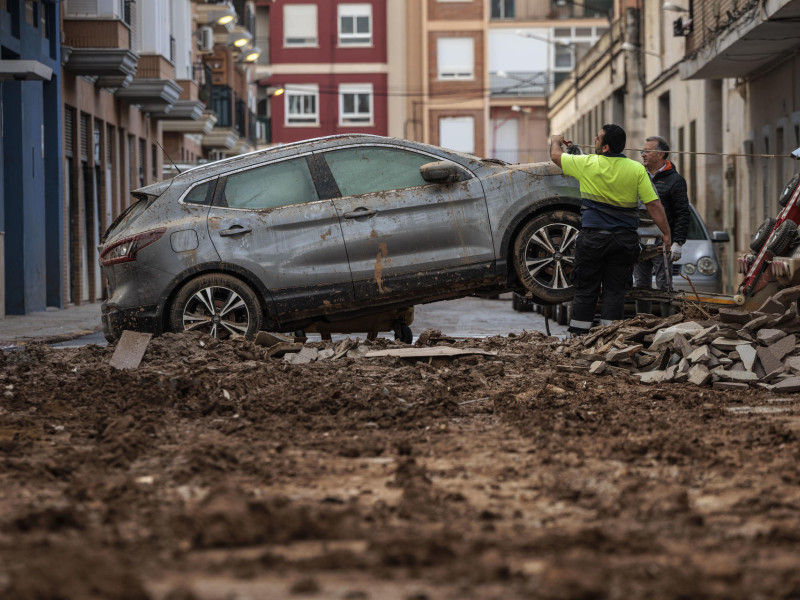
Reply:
x=661, y=144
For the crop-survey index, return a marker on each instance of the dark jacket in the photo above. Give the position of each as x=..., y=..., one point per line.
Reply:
x=671, y=188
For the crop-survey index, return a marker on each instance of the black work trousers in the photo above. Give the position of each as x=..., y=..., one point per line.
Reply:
x=604, y=261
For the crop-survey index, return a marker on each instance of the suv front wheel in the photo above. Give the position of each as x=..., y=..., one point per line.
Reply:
x=544, y=255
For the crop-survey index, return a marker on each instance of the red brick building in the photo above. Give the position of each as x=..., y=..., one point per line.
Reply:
x=327, y=70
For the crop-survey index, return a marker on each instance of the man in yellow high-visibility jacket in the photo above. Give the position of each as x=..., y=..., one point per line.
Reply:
x=607, y=246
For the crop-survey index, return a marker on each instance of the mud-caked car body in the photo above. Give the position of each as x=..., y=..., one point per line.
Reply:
x=326, y=232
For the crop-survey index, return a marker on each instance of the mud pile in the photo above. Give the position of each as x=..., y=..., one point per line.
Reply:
x=215, y=470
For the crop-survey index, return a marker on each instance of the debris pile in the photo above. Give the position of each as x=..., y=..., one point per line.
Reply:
x=735, y=350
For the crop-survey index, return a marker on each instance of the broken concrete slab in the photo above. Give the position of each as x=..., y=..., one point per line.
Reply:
x=309, y=352
x=772, y=306
x=732, y=315
x=271, y=338
x=725, y=344
x=699, y=374
x=597, y=367
x=651, y=376
x=296, y=358
x=748, y=355
x=767, y=336
x=283, y=348
x=682, y=346
x=782, y=347
x=700, y=355
x=790, y=384
x=793, y=364
x=622, y=353
x=729, y=375
x=788, y=295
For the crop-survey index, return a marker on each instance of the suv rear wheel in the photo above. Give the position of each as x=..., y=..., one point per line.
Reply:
x=544, y=255
x=216, y=304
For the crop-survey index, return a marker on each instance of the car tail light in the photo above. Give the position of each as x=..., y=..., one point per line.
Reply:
x=126, y=249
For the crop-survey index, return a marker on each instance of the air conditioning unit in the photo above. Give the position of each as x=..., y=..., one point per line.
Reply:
x=205, y=37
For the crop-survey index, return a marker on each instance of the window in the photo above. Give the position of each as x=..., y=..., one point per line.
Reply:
x=355, y=104
x=503, y=9
x=563, y=57
x=454, y=58
x=370, y=169
x=302, y=102
x=300, y=25
x=279, y=184
x=199, y=194
x=457, y=133
x=355, y=24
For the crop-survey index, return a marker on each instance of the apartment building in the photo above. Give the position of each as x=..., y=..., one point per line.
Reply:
x=30, y=147
x=148, y=87
x=328, y=68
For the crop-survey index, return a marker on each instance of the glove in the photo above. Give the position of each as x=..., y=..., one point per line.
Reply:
x=675, y=252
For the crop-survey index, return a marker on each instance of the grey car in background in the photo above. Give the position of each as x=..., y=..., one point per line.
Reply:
x=327, y=233
x=698, y=261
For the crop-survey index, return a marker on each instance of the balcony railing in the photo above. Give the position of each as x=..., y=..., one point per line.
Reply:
x=241, y=118
x=518, y=83
x=222, y=104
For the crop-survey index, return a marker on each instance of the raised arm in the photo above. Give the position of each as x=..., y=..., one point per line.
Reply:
x=555, y=148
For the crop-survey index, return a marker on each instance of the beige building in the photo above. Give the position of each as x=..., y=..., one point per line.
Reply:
x=479, y=72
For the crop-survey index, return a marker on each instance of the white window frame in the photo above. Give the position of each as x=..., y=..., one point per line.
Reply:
x=307, y=119
x=356, y=119
x=349, y=40
x=302, y=14
x=464, y=71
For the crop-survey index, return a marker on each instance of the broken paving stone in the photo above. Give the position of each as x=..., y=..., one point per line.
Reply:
x=282, y=348
x=705, y=335
x=597, y=367
x=700, y=355
x=326, y=353
x=682, y=346
x=732, y=315
x=782, y=347
x=309, y=352
x=296, y=359
x=358, y=352
x=725, y=344
x=651, y=376
x=748, y=355
x=728, y=375
x=767, y=337
x=772, y=306
x=622, y=353
x=788, y=295
x=762, y=321
x=790, y=384
x=793, y=364
x=699, y=374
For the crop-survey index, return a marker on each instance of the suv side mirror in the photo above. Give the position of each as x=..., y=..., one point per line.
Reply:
x=720, y=236
x=441, y=171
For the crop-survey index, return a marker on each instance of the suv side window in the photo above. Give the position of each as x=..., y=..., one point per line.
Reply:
x=270, y=186
x=200, y=194
x=369, y=169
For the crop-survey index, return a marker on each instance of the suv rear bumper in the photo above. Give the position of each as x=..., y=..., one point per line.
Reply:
x=139, y=318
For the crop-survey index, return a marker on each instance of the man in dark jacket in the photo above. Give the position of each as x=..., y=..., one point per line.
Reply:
x=671, y=188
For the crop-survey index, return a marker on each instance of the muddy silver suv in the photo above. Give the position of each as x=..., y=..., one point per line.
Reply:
x=332, y=232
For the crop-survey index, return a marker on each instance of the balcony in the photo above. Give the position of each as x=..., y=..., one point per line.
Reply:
x=101, y=49
x=729, y=41
x=187, y=107
x=153, y=88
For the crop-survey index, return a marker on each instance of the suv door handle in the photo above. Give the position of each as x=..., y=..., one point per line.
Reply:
x=360, y=212
x=235, y=230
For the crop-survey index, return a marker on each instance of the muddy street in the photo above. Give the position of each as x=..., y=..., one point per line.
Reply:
x=216, y=471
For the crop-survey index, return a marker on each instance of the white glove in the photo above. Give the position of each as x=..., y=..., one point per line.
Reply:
x=675, y=252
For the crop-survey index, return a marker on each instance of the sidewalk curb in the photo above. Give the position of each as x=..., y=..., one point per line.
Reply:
x=51, y=339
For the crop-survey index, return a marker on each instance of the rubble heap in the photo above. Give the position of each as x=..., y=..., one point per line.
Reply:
x=736, y=349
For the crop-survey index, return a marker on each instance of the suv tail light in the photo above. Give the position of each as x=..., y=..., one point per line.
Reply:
x=126, y=249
